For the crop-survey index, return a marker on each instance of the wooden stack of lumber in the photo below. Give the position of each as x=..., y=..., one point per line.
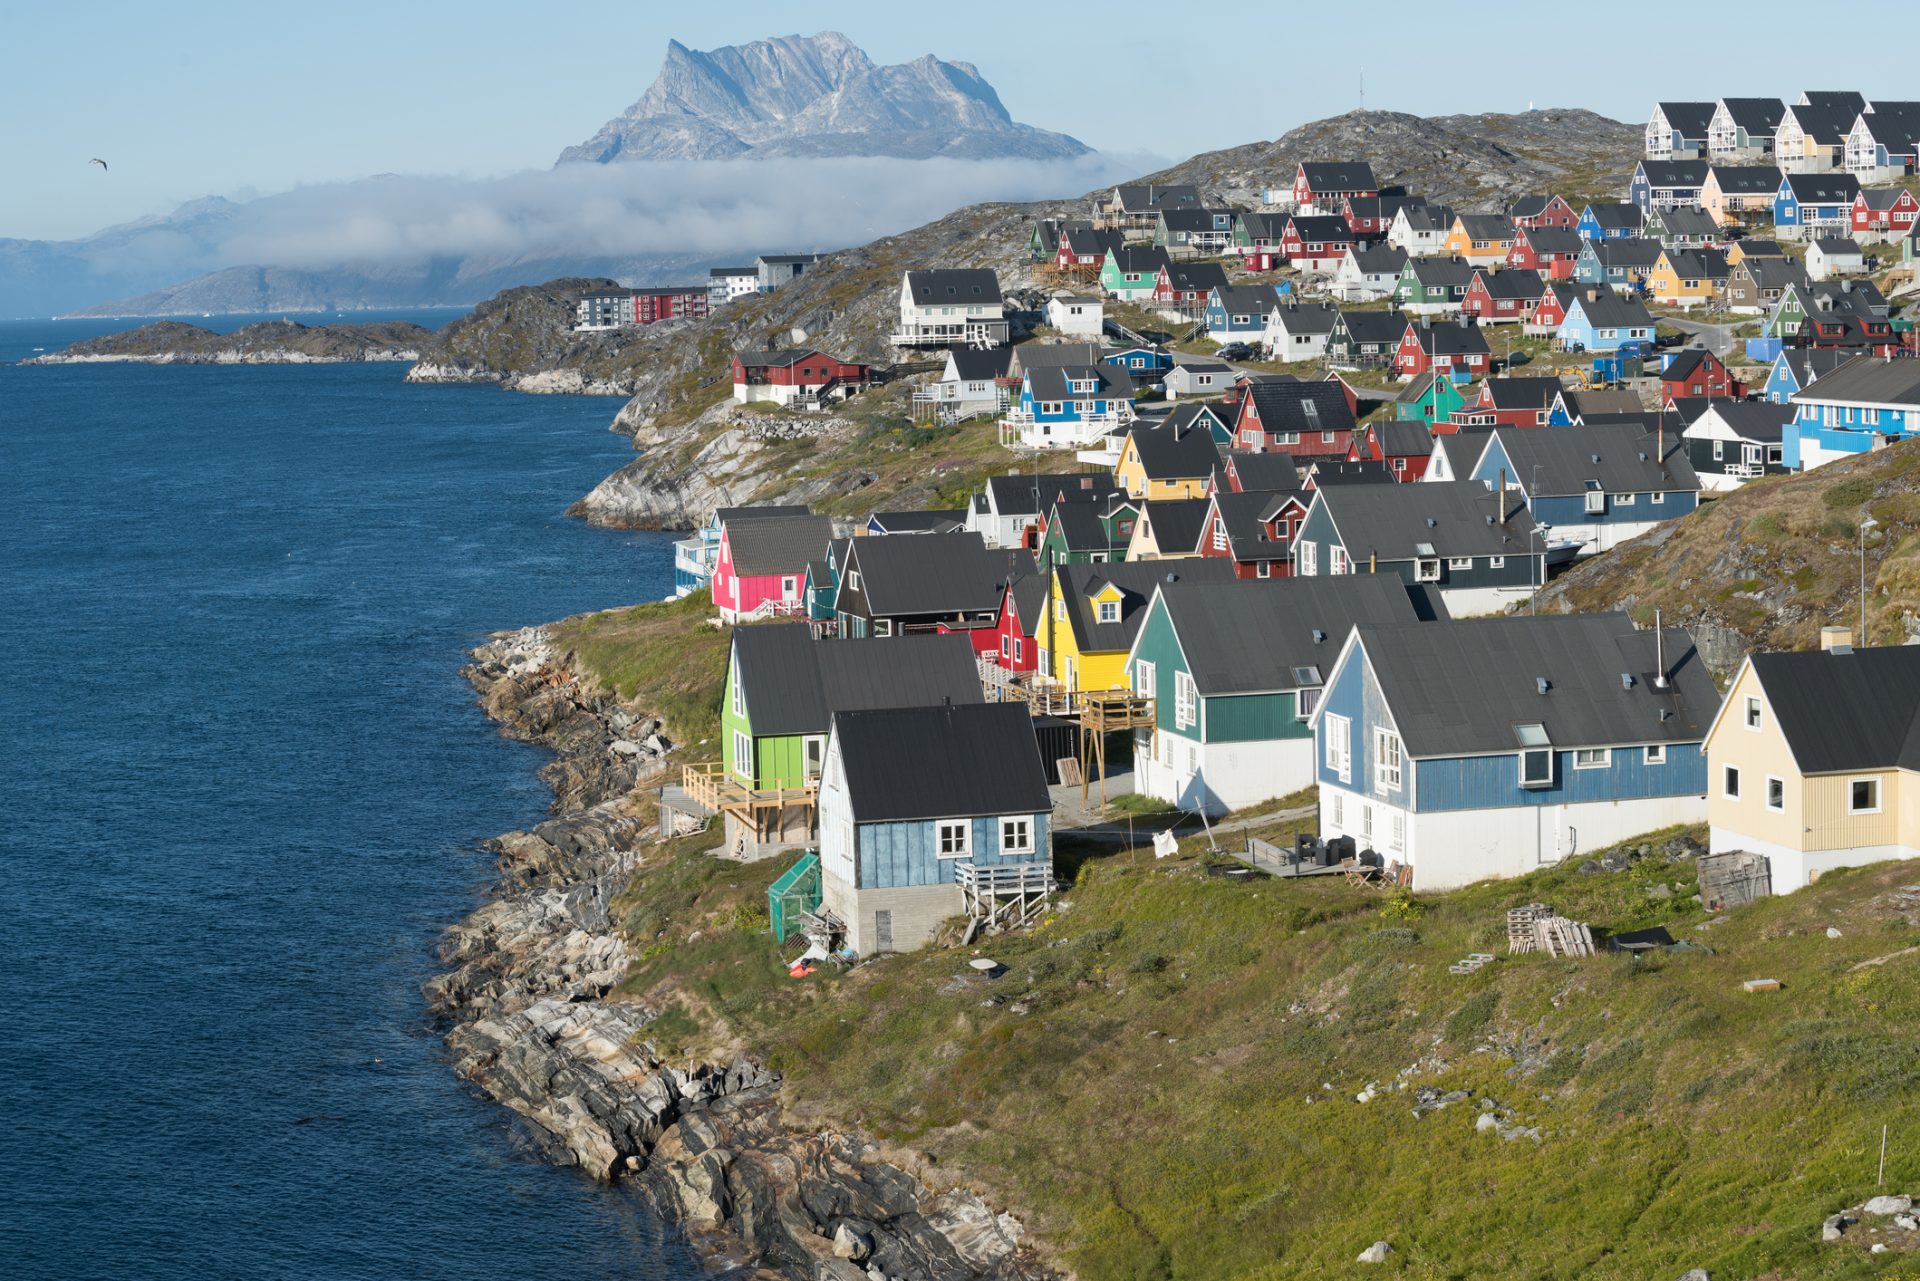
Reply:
x=1520, y=933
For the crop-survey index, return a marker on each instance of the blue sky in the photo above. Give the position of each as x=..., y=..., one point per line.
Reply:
x=214, y=97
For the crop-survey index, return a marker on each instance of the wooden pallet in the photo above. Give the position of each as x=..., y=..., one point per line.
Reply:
x=1520, y=931
x=1560, y=937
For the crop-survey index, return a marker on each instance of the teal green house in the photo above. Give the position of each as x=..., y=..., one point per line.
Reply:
x=1131, y=272
x=1089, y=533
x=1430, y=398
x=1235, y=670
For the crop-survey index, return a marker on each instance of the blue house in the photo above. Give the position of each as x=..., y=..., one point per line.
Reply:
x=1809, y=205
x=1238, y=313
x=1600, y=320
x=1622, y=265
x=1609, y=222
x=1858, y=407
x=1068, y=406
x=1145, y=364
x=1599, y=484
x=928, y=813
x=1797, y=367
x=1489, y=747
x=1667, y=184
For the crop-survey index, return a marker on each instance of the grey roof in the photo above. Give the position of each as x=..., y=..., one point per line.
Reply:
x=1200, y=277
x=1136, y=580
x=1339, y=175
x=1245, y=300
x=1698, y=264
x=1608, y=310
x=1314, y=318
x=1082, y=529
x=1263, y=226
x=1145, y=260
x=931, y=574
x=793, y=683
x=1086, y=240
x=1811, y=363
x=1827, y=117
x=1522, y=393
x=1486, y=226
x=1881, y=199
x=1627, y=252
x=1018, y=495
x=1600, y=400
x=1193, y=218
x=1428, y=217
x=764, y=358
x=1529, y=206
x=722, y=515
x=1402, y=437
x=1552, y=240
x=1029, y=599
x=1172, y=452
x=1374, y=326
x=953, y=285
x=1510, y=284
x=978, y=364
x=1259, y=636
x=1176, y=522
x=781, y=545
x=1690, y=119
x=1324, y=472
x=1492, y=668
x=1771, y=273
x=1041, y=355
x=1854, y=711
x=1322, y=228
x=1895, y=125
x=1837, y=246
x=1055, y=382
x=1451, y=339
x=1140, y=197
x=1432, y=272
x=1619, y=458
x=1245, y=515
x=1756, y=420
x=1451, y=517
x=1674, y=173
x=1610, y=216
x=1302, y=406
x=1746, y=180
x=1687, y=222
x=1822, y=188
x=1868, y=381
x=1684, y=362
x=940, y=521
x=1268, y=471
x=908, y=763
x=1751, y=250
x=721, y=273
x=1758, y=116
x=1378, y=260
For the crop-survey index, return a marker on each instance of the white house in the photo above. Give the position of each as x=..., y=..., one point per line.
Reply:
x=1368, y=272
x=1077, y=315
x=953, y=307
x=1831, y=256
x=1295, y=332
x=1421, y=230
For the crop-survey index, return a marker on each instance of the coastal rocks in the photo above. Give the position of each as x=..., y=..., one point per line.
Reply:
x=274, y=342
x=666, y=488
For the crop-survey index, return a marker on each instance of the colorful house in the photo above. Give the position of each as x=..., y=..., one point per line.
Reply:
x=1166, y=461
x=1185, y=286
x=1683, y=228
x=1094, y=612
x=1132, y=272
x=1403, y=445
x=1610, y=222
x=1806, y=205
x=928, y=813
x=1812, y=134
x=1234, y=671
x=1016, y=645
x=1861, y=406
x=1737, y=194
x=1257, y=237
x=1884, y=213
x=899, y=586
x=1321, y=186
x=1735, y=441
x=1600, y=486
x=1697, y=372
x=1459, y=350
x=1600, y=320
x=1481, y=239
x=1548, y=738
x=1194, y=231
x=795, y=377
x=1797, y=367
x=1068, y=406
x=1473, y=545
x=1621, y=265
x=1667, y=184
x=1365, y=339
x=1550, y=310
x=1687, y=277
x=1168, y=529
x=1301, y=419
x=1253, y=529
x=1678, y=130
x=1883, y=143
x=1433, y=286
x=1501, y=297
x=1530, y=213
x=1551, y=252
x=1508, y=402
x=1431, y=400
x=1089, y=533
x=762, y=563
x=1238, y=313
x=1316, y=243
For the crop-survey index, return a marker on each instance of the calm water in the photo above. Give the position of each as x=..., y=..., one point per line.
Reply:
x=241, y=788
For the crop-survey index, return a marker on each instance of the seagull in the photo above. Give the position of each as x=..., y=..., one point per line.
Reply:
x=98, y=161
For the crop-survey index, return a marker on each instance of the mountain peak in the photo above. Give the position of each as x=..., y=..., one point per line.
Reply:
x=818, y=95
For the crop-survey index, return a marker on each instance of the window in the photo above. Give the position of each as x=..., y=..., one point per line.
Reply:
x=883, y=627
x=1185, y=700
x=1337, y=731
x=1339, y=809
x=1307, y=555
x=1305, y=702
x=1656, y=754
x=1863, y=796
x=1730, y=782
x=1592, y=757
x=853, y=580
x=1776, y=794
x=954, y=837
x=1016, y=835
x=1496, y=562
x=1263, y=569
x=1386, y=761
x=1339, y=565
x=1109, y=611
x=1596, y=501
x=1017, y=656
x=742, y=755
x=1397, y=836
x=1657, y=498
x=1146, y=678
x=739, y=698
x=1006, y=646
x=1753, y=712
x=1219, y=535
x=1459, y=562
x=1536, y=755
x=1624, y=500
x=1060, y=611
x=1426, y=569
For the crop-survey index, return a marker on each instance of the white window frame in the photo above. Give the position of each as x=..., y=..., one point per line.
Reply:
x=1186, y=701
x=1016, y=834
x=1305, y=700
x=1339, y=809
x=1389, y=761
x=1878, y=798
x=1775, y=782
x=1307, y=554
x=1624, y=500
x=944, y=832
x=1658, y=497
x=1656, y=754
x=1592, y=757
x=743, y=762
x=1496, y=562
x=1750, y=713
x=1146, y=678
x=1730, y=782
x=1341, y=565
x=1338, y=755
x=883, y=627
x=739, y=697
x=1426, y=569
x=1459, y=562
x=1102, y=608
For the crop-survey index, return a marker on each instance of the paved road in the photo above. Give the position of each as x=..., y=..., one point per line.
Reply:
x=1718, y=339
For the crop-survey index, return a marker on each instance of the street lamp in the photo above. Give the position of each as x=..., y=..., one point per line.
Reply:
x=1865, y=525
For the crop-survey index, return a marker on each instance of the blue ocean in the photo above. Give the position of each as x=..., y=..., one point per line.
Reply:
x=243, y=784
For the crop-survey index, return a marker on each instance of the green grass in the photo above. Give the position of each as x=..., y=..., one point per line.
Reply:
x=661, y=657
x=1136, y=803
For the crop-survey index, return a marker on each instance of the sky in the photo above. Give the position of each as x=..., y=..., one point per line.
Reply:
x=222, y=98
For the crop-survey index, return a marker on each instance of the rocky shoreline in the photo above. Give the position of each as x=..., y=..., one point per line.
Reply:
x=534, y=1020
x=270, y=342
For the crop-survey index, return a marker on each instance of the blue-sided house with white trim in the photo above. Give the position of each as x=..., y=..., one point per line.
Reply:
x=1599, y=485
x=1814, y=204
x=1863, y=405
x=928, y=813
x=1489, y=747
x=1238, y=313
x=1598, y=320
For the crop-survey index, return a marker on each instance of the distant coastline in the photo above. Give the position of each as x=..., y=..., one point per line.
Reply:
x=270, y=342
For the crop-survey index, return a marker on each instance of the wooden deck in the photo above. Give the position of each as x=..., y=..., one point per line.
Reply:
x=710, y=785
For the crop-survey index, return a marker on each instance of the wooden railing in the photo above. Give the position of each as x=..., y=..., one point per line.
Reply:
x=711, y=785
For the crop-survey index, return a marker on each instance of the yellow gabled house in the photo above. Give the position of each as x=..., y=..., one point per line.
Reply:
x=1687, y=277
x=1483, y=239
x=1167, y=460
x=1094, y=612
x=1814, y=760
x=1169, y=529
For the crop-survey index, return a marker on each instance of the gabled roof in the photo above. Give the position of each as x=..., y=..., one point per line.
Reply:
x=1465, y=687
x=1339, y=175
x=1485, y=226
x=1698, y=264
x=1090, y=242
x=1608, y=310
x=1822, y=188
x=1029, y=592
x=1263, y=226
x=1746, y=180
x=1450, y=339
x=785, y=359
x=1139, y=260
x=1684, y=362
x=1810, y=364
x=1433, y=273
x=1837, y=247
x=1313, y=318
x=1377, y=260
x=1758, y=116
x=723, y=515
x=1252, y=637
x=1195, y=277
x=780, y=545
x=1330, y=228
x=1827, y=118
x=1609, y=217
x=1055, y=382
x=954, y=285
x=1600, y=401
x=1244, y=300
x=1854, y=711
x=916, y=763
x=1243, y=514
x=1172, y=452
x=1449, y=517
x=1762, y=250
x=1427, y=217
x=1894, y=125
x=1761, y=421
x=1018, y=495
x=1135, y=580
x=1689, y=119
x=1144, y=197
x=1520, y=286
x=1263, y=471
x=794, y=683
x=1882, y=199
x=1521, y=393
x=980, y=364
x=1176, y=522
x=1401, y=437
x=1528, y=206
x=1626, y=253
x=1052, y=355
x=919, y=522
x=1674, y=173
x=1772, y=273
x=1194, y=218
x=1552, y=240
x=1374, y=326
x=1301, y=406
x=931, y=574
x=1867, y=382
x=1324, y=472
x=1081, y=528
x=1687, y=222
x=1616, y=458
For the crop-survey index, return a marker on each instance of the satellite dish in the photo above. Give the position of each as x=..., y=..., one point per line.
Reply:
x=796, y=335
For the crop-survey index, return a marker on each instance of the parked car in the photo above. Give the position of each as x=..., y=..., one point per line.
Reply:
x=1237, y=351
x=1517, y=359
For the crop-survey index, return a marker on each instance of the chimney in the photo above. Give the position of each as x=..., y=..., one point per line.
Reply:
x=1836, y=639
x=1501, y=511
x=1659, y=653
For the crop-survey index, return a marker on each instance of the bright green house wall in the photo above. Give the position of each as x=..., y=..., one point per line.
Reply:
x=778, y=760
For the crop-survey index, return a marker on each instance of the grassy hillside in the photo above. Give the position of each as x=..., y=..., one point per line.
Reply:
x=1769, y=564
x=1165, y=1079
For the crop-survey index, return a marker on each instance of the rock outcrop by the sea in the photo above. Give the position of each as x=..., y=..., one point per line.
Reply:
x=535, y=1020
x=271, y=342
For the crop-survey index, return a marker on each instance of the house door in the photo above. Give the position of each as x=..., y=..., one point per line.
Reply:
x=882, y=932
x=815, y=750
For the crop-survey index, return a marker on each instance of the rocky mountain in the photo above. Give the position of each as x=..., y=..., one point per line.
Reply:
x=814, y=96
x=272, y=342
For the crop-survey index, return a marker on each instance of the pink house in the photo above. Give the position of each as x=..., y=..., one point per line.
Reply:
x=761, y=568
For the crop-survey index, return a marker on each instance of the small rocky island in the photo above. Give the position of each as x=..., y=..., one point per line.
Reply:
x=270, y=342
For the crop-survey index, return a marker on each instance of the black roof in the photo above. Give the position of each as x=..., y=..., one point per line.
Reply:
x=1202, y=277
x=1609, y=216
x=908, y=763
x=1522, y=393
x=931, y=574
x=1138, y=197
x=1375, y=326
x=1136, y=580
x=1245, y=300
x=1055, y=382
x=1378, y=260
x=1822, y=188
x=978, y=364
x=1853, y=711
x=1339, y=175
x=1314, y=318
x=764, y=358
x=722, y=515
x=1605, y=309
x=1687, y=222
x=1450, y=339
x=1762, y=421
x=1746, y=180
x=1510, y=284
x=1617, y=458
x=1758, y=116
x=1552, y=240
x=793, y=683
x=1324, y=472
x=1871, y=382
x=1674, y=173
x=1303, y=406
x=1145, y=260
x=1244, y=515
x=953, y=285
x=1018, y=495
x=1466, y=686
x=1450, y=517
x=920, y=522
x=1081, y=528
x=1261, y=635
x=1322, y=228
x=1264, y=470
x=1684, y=362
x=1441, y=271
x=1173, y=452
x=1628, y=252
x=781, y=545
x=1690, y=119
x=1176, y=522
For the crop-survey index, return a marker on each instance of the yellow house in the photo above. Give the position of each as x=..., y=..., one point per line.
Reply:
x=1167, y=460
x=1485, y=239
x=1733, y=193
x=1687, y=277
x=1748, y=248
x=1814, y=760
x=1168, y=529
x=1094, y=612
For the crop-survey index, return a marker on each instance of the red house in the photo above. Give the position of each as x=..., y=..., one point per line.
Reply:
x=1450, y=348
x=1698, y=373
x=1010, y=643
x=1891, y=210
x=1316, y=243
x=1323, y=185
x=1370, y=216
x=1083, y=250
x=1240, y=471
x=1187, y=284
x=1304, y=419
x=1550, y=312
x=1509, y=402
x=1254, y=529
x=1550, y=251
x=786, y=376
x=1500, y=297
x=1543, y=211
x=762, y=563
x=669, y=302
x=1405, y=445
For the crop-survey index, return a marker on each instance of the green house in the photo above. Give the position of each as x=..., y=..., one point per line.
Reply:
x=1089, y=533
x=1235, y=670
x=783, y=687
x=1430, y=398
x=1428, y=286
x=1131, y=271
